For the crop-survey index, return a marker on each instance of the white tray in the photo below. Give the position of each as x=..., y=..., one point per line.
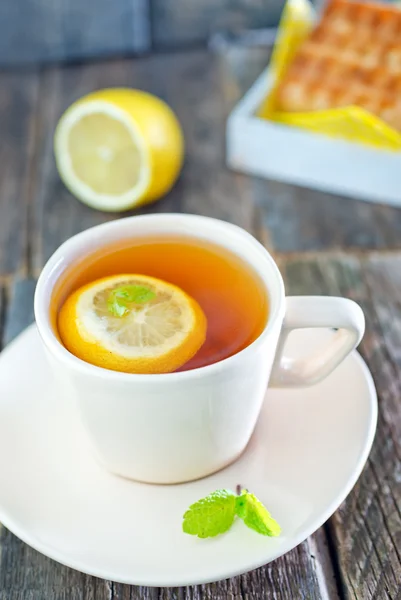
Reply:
x=275, y=151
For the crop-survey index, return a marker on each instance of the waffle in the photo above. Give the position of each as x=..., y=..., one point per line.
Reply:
x=352, y=57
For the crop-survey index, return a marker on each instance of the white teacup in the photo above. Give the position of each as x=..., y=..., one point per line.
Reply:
x=176, y=427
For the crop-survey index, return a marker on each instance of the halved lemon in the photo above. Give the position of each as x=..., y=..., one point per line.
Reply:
x=118, y=148
x=132, y=323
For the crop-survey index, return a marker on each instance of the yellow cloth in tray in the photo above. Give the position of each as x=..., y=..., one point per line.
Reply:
x=350, y=123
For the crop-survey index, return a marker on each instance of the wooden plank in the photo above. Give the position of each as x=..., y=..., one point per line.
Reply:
x=25, y=574
x=178, y=22
x=18, y=104
x=293, y=576
x=297, y=219
x=366, y=531
x=190, y=83
x=2, y=312
x=34, y=31
x=20, y=310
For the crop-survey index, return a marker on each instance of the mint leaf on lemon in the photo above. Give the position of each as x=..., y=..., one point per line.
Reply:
x=215, y=514
x=119, y=299
x=116, y=308
x=255, y=515
x=211, y=515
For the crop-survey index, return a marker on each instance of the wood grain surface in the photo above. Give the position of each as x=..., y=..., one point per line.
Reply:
x=292, y=219
x=323, y=245
x=366, y=531
x=18, y=104
x=25, y=574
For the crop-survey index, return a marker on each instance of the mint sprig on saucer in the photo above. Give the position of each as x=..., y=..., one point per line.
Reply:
x=215, y=514
x=119, y=300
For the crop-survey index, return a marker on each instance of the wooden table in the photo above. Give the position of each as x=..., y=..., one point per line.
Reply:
x=323, y=244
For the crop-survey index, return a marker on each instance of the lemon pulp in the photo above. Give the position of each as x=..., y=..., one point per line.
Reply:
x=103, y=154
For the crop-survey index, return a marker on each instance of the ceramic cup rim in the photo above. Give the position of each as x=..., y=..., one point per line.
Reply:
x=48, y=276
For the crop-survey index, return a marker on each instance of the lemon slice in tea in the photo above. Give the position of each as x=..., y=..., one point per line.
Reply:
x=132, y=323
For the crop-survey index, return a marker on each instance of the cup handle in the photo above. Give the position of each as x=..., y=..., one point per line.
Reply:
x=317, y=312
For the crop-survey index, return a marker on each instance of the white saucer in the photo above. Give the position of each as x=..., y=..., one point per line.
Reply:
x=305, y=456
